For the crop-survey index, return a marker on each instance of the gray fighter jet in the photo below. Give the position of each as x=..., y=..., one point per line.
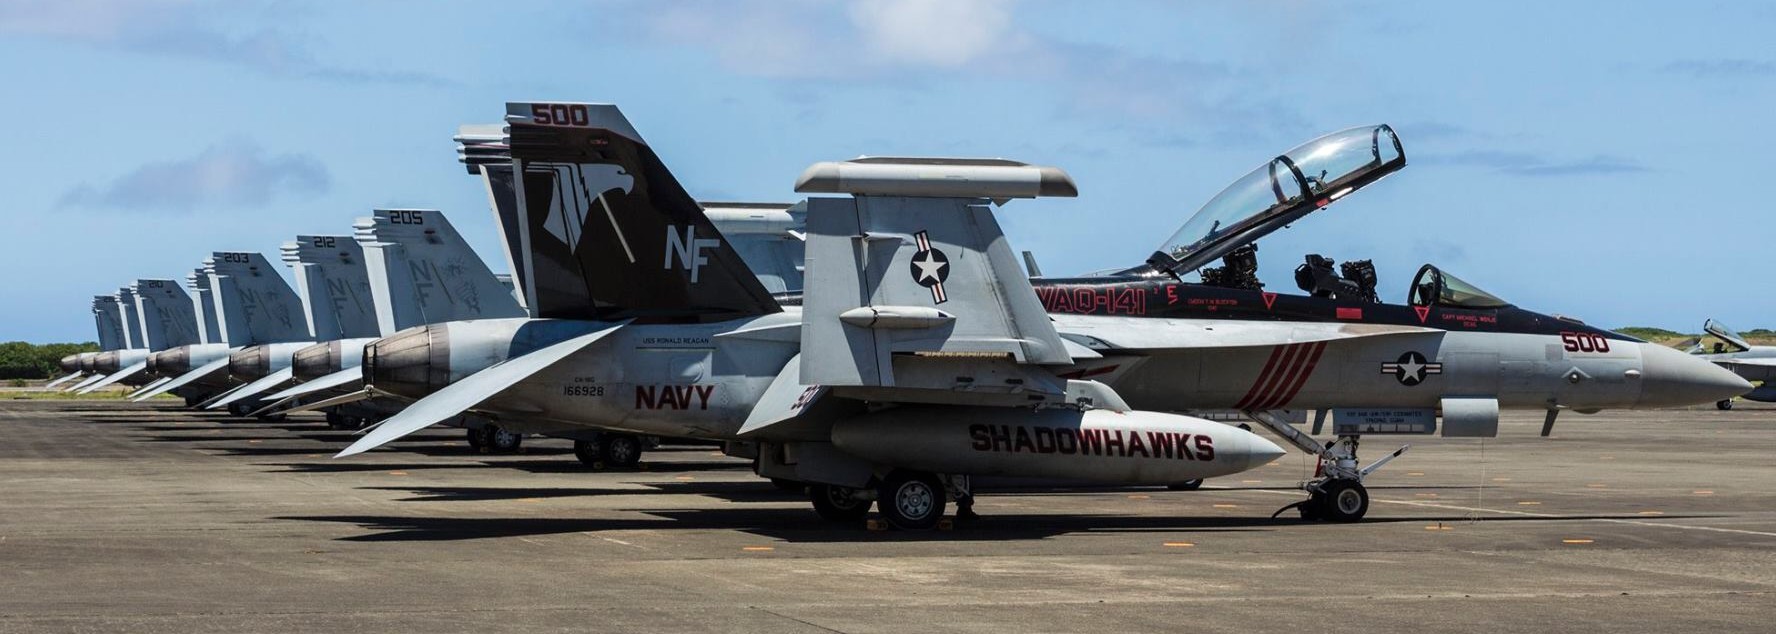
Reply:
x=252, y=305
x=108, y=319
x=1752, y=363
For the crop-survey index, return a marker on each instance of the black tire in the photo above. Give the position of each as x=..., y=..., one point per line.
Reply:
x=336, y=420
x=192, y=401
x=477, y=438
x=239, y=410
x=1245, y=426
x=910, y=500
x=1187, y=485
x=620, y=450
x=786, y=484
x=838, y=504
x=1344, y=501
x=501, y=441
x=1724, y=405
x=589, y=453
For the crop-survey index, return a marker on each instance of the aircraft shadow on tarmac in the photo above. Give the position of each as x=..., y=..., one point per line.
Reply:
x=799, y=525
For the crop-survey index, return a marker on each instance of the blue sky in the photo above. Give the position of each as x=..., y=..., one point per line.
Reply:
x=1601, y=160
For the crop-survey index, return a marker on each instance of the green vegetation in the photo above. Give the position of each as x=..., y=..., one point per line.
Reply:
x=21, y=360
x=1755, y=336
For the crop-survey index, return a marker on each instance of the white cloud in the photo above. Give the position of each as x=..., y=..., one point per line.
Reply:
x=236, y=173
x=940, y=33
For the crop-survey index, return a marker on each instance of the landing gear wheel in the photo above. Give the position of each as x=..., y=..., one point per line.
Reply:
x=239, y=410
x=1343, y=501
x=477, y=438
x=621, y=450
x=838, y=504
x=501, y=441
x=341, y=422
x=589, y=453
x=1724, y=405
x=192, y=401
x=1187, y=485
x=910, y=500
x=786, y=484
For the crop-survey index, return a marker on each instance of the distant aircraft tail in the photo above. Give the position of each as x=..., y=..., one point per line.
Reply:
x=334, y=284
x=607, y=232
x=203, y=305
x=254, y=304
x=108, y=318
x=168, y=318
x=423, y=272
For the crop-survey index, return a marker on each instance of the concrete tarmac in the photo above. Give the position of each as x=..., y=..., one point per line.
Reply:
x=149, y=518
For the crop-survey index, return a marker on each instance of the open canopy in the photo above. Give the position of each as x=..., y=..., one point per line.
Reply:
x=1433, y=287
x=1722, y=332
x=1281, y=191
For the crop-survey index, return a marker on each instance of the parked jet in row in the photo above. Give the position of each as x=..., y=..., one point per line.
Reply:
x=650, y=323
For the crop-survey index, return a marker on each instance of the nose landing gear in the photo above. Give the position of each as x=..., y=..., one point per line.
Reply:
x=1337, y=493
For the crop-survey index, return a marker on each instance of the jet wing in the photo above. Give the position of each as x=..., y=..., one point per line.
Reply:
x=912, y=293
x=1750, y=369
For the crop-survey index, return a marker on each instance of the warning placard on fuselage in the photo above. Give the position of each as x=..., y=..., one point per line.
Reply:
x=1383, y=420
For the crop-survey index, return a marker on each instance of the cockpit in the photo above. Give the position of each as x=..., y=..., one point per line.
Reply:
x=1286, y=188
x=1433, y=287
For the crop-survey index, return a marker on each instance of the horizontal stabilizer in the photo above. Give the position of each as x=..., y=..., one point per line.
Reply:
x=144, y=389
x=206, y=369
x=458, y=397
x=257, y=386
x=351, y=397
x=117, y=376
x=337, y=379
x=64, y=379
x=95, y=378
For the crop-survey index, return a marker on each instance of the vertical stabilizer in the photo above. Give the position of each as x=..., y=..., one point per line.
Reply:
x=203, y=305
x=254, y=304
x=133, y=335
x=607, y=232
x=421, y=271
x=334, y=284
x=108, y=318
x=167, y=315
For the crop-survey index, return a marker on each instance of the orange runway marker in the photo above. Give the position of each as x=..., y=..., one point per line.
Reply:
x=397, y=473
x=758, y=549
x=1651, y=513
x=1227, y=506
x=1179, y=545
x=1576, y=541
x=1597, y=485
x=1703, y=492
x=1140, y=497
x=1529, y=504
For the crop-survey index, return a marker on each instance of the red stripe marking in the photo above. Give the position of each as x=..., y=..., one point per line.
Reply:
x=1313, y=360
x=1284, y=375
x=1291, y=354
x=1274, y=353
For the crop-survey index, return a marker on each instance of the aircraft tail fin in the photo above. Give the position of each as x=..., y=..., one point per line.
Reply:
x=254, y=304
x=423, y=272
x=168, y=319
x=912, y=286
x=203, y=306
x=108, y=317
x=334, y=284
x=606, y=230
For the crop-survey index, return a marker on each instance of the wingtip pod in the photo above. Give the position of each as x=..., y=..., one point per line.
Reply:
x=998, y=179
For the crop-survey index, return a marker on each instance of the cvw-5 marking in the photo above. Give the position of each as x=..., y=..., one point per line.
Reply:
x=1584, y=342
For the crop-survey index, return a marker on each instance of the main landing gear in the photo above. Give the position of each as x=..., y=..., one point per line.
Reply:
x=1724, y=405
x=1336, y=494
x=906, y=500
x=610, y=450
x=494, y=439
